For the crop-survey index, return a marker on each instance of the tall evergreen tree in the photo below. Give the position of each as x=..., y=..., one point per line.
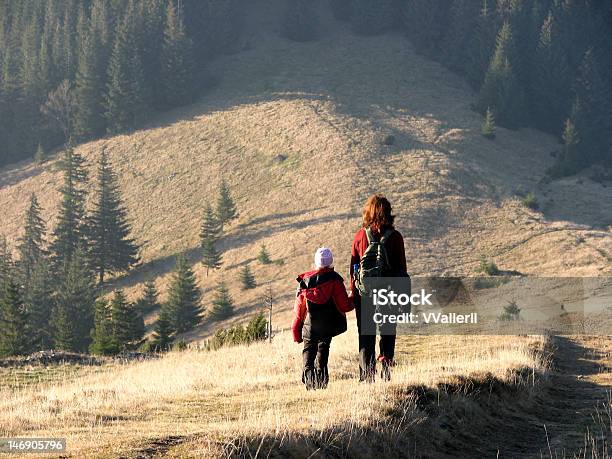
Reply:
x=38, y=299
x=247, y=279
x=72, y=318
x=125, y=87
x=488, y=127
x=425, y=22
x=551, y=78
x=184, y=296
x=89, y=87
x=570, y=161
x=500, y=89
x=226, y=208
x=108, y=229
x=463, y=20
x=13, y=322
x=148, y=301
x=592, y=111
x=223, y=304
x=40, y=156
x=209, y=234
x=176, y=61
x=30, y=246
x=481, y=44
x=164, y=334
x=6, y=263
x=122, y=320
x=102, y=340
x=69, y=232
x=137, y=326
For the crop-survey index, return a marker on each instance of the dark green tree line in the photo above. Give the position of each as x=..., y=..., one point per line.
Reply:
x=111, y=59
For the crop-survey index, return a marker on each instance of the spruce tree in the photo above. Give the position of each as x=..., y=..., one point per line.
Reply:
x=72, y=317
x=125, y=87
x=263, y=257
x=164, y=334
x=176, y=73
x=89, y=87
x=567, y=164
x=425, y=22
x=69, y=232
x=184, y=296
x=148, y=302
x=102, y=340
x=108, y=229
x=247, y=279
x=501, y=90
x=226, y=208
x=209, y=234
x=13, y=322
x=488, y=126
x=223, y=304
x=38, y=299
x=592, y=111
x=40, y=157
x=6, y=263
x=137, y=325
x=551, y=86
x=481, y=44
x=30, y=246
x=257, y=328
x=122, y=320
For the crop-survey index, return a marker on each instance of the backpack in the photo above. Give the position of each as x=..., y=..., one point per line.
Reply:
x=374, y=262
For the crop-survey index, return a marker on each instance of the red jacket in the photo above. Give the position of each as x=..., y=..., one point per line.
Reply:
x=395, y=251
x=319, y=294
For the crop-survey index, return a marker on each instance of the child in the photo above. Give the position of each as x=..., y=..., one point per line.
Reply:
x=318, y=316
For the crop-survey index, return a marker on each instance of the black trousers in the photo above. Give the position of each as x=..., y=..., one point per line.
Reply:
x=367, y=345
x=316, y=355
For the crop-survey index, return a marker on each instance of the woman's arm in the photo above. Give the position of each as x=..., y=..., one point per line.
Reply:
x=355, y=259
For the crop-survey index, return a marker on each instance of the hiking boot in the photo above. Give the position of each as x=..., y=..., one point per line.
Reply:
x=322, y=378
x=387, y=364
x=309, y=379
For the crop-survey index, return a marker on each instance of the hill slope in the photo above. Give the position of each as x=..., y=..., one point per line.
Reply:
x=297, y=129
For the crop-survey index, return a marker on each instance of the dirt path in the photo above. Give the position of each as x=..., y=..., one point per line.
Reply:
x=579, y=396
x=554, y=422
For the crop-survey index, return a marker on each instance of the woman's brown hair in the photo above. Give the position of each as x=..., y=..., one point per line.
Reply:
x=377, y=212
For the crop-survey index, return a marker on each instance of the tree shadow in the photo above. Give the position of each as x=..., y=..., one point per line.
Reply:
x=240, y=236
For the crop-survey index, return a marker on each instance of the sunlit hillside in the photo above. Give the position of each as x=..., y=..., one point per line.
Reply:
x=304, y=133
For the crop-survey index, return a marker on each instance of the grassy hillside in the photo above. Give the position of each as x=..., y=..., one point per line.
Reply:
x=297, y=130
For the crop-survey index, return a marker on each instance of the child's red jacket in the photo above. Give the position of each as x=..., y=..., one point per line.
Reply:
x=318, y=286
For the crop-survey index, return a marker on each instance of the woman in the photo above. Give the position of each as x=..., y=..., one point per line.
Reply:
x=378, y=219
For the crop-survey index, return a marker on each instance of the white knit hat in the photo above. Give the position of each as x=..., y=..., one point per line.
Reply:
x=323, y=258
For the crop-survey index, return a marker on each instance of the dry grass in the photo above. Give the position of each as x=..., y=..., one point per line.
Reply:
x=245, y=392
x=327, y=106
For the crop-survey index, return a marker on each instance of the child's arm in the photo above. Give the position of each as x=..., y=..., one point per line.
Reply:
x=299, y=315
x=341, y=299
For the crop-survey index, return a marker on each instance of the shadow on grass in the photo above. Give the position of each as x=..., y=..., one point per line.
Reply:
x=241, y=236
